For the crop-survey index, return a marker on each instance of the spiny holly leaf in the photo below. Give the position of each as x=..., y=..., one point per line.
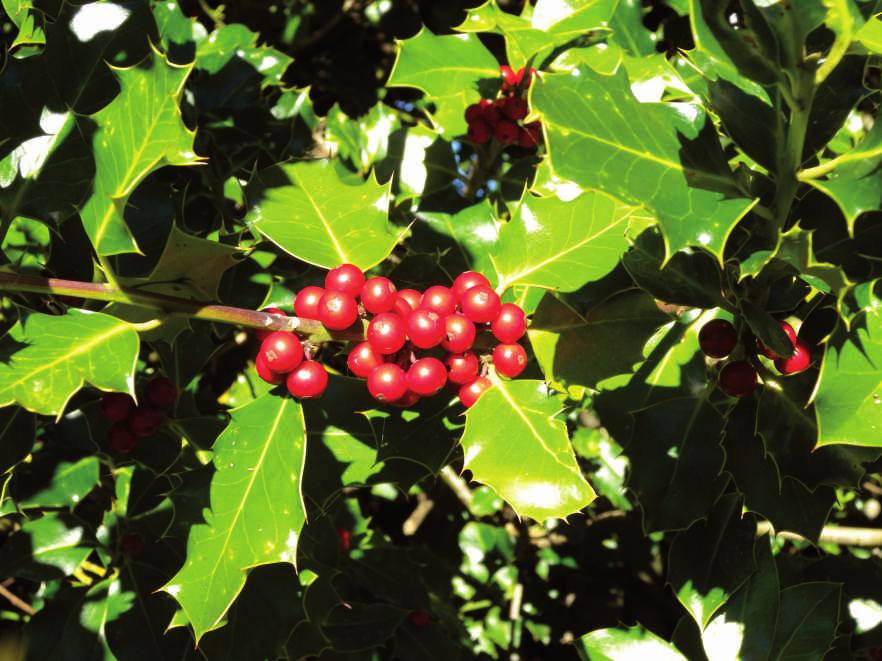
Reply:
x=600, y=136
x=558, y=244
x=50, y=546
x=449, y=70
x=633, y=643
x=870, y=35
x=529, y=460
x=362, y=141
x=704, y=581
x=796, y=249
x=807, y=621
x=309, y=211
x=25, y=17
x=69, y=484
x=61, y=353
x=215, y=51
x=140, y=131
x=256, y=513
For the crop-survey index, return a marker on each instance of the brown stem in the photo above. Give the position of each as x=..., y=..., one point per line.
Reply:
x=16, y=601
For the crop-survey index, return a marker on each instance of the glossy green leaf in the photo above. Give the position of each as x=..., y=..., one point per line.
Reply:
x=843, y=19
x=69, y=484
x=529, y=461
x=309, y=211
x=364, y=140
x=23, y=15
x=870, y=35
x=216, y=50
x=807, y=621
x=50, y=546
x=256, y=513
x=629, y=30
x=635, y=154
x=59, y=354
x=633, y=643
x=140, y=131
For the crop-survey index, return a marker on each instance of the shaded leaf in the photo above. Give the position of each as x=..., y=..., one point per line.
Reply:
x=807, y=621
x=48, y=547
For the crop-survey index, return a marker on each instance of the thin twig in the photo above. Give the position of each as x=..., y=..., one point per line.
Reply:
x=419, y=514
x=458, y=486
x=841, y=535
x=19, y=603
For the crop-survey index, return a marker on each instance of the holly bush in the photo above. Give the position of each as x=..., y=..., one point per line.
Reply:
x=612, y=388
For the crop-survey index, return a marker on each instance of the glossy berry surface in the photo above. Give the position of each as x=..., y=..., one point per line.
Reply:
x=509, y=359
x=462, y=368
x=412, y=297
x=116, y=406
x=425, y=328
x=514, y=108
x=144, y=420
x=309, y=380
x=439, y=299
x=281, y=351
x=378, y=295
x=120, y=439
x=265, y=373
x=387, y=383
x=459, y=333
x=346, y=278
x=717, y=338
x=480, y=304
x=511, y=323
x=306, y=303
x=738, y=379
x=466, y=280
x=800, y=361
x=260, y=333
x=409, y=398
x=469, y=393
x=426, y=376
x=337, y=310
x=387, y=332
x=161, y=393
x=767, y=352
x=362, y=359
x=506, y=132
x=479, y=132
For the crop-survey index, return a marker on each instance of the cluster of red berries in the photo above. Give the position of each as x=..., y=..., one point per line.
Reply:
x=738, y=378
x=502, y=118
x=402, y=323
x=130, y=422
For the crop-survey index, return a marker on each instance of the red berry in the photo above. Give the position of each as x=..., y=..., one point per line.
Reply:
x=425, y=328
x=462, y=368
x=474, y=112
x=144, y=420
x=337, y=310
x=306, y=303
x=116, y=406
x=345, y=538
x=261, y=333
x=469, y=394
x=387, y=383
x=419, y=618
x=738, y=379
x=426, y=376
x=717, y=338
x=265, y=373
x=440, y=299
x=798, y=362
x=513, y=107
x=530, y=135
x=307, y=381
x=479, y=132
x=511, y=323
x=387, y=332
x=506, y=132
x=509, y=359
x=131, y=544
x=509, y=76
x=412, y=297
x=459, y=333
x=363, y=359
x=378, y=295
x=161, y=392
x=466, y=280
x=402, y=308
x=407, y=399
x=282, y=351
x=768, y=353
x=480, y=304
x=120, y=439
x=346, y=278
x=525, y=76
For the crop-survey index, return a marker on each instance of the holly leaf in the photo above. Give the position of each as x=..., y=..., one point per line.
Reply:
x=633, y=643
x=807, y=621
x=49, y=547
x=56, y=355
x=638, y=153
x=71, y=481
x=310, y=212
x=529, y=461
x=140, y=131
x=257, y=509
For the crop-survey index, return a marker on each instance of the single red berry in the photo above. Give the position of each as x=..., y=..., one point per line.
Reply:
x=511, y=323
x=509, y=76
x=345, y=538
x=309, y=380
x=459, y=333
x=506, y=132
x=419, y=618
x=161, y=392
x=513, y=107
x=265, y=373
x=378, y=295
x=306, y=303
x=738, y=379
x=402, y=308
x=262, y=333
x=409, y=398
x=281, y=351
x=491, y=113
x=363, y=359
x=798, y=362
x=120, y=439
x=131, y=544
x=469, y=393
x=412, y=297
x=387, y=383
x=717, y=338
x=440, y=299
x=144, y=420
x=509, y=359
x=346, y=278
x=480, y=304
x=425, y=328
x=474, y=112
x=466, y=280
x=116, y=406
x=337, y=310
x=426, y=376
x=766, y=351
x=387, y=332
x=479, y=132
x=462, y=368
